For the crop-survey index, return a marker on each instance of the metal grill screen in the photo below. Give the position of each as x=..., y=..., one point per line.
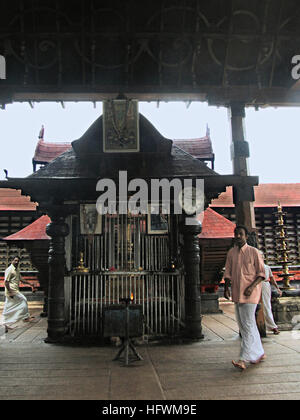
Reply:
x=125, y=260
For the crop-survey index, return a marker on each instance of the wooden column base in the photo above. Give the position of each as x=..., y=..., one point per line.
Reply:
x=57, y=230
x=193, y=317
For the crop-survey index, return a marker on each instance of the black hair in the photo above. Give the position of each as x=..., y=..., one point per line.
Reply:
x=241, y=227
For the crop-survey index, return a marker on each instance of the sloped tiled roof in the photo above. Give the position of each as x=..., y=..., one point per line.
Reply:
x=85, y=158
x=34, y=231
x=47, y=151
x=200, y=148
x=266, y=195
x=215, y=226
x=179, y=163
x=12, y=200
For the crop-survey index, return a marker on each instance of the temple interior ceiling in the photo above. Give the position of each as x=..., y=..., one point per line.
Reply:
x=216, y=51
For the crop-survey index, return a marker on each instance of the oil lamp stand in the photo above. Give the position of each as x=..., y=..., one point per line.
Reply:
x=130, y=352
x=286, y=307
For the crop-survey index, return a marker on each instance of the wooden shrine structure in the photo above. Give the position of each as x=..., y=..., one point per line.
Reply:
x=233, y=54
x=123, y=253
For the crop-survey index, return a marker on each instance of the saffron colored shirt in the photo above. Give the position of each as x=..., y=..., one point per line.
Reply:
x=243, y=266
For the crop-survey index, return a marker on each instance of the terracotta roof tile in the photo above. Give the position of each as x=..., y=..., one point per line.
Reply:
x=47, y=151
x=12, y=200
x=36, y=230
x=198, y=148
x=215, y=225
x=266, y=195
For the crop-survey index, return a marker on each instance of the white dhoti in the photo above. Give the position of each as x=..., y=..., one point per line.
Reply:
x=266, y=299
x=15, y=309
x=251, y=345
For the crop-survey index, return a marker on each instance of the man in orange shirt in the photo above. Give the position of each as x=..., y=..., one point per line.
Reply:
x=244, y=271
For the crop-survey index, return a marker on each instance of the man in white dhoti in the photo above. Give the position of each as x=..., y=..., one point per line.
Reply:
x=244, y=271
x=266, y=299
x=15, y=307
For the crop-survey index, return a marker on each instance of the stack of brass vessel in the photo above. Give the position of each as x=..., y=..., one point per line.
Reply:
x=282, y=248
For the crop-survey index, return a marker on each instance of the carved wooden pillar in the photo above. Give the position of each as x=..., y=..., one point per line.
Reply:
x=193, y=327
x=243, y=196
x=57, y=230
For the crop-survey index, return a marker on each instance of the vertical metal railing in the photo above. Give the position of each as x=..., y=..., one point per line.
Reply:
x=124, y=245
x=160, y=296
x=125, y=259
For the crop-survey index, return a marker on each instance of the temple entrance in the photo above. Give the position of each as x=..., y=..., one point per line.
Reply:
x=125, y=260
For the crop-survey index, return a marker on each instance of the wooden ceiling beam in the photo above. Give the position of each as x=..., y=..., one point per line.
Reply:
x=214, y=95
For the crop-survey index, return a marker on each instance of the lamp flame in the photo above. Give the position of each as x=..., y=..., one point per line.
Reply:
x=131, y=296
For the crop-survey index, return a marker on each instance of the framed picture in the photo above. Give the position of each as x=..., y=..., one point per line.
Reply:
x=90, y=220
x=157, y=223
x=121, y=126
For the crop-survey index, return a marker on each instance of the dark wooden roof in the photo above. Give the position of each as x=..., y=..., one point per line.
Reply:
x=73, y=174
x=177, y=164
x=199, y=148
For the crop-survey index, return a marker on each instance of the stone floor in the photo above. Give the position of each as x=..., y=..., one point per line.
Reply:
x=30, y=369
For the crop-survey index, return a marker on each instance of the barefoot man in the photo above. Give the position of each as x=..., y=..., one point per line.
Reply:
x=15, y=307
x=244, y=271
